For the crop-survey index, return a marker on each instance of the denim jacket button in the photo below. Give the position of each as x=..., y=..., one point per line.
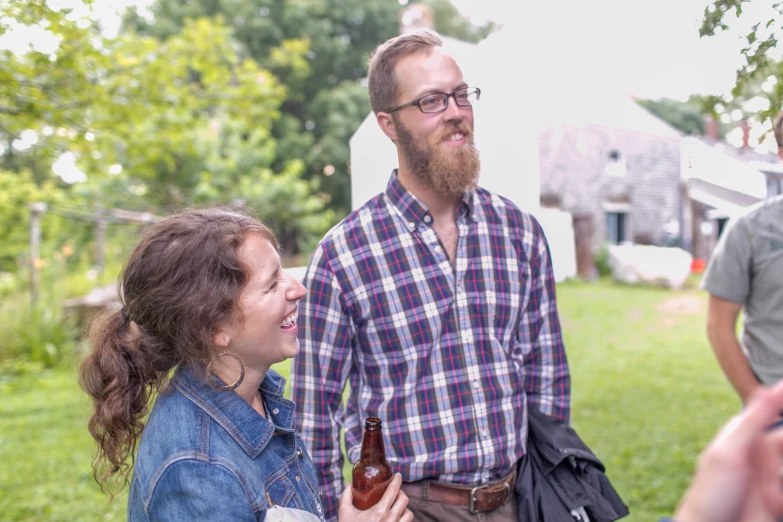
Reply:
x=299, y=453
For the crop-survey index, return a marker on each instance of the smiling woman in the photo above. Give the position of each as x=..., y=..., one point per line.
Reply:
x=206, y=302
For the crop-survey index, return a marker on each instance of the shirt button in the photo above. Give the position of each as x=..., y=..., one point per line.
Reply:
x=476, y=384
x=411, y=225
x=427, y=218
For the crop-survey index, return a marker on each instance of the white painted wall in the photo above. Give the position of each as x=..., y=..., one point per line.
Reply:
x=558, y=226
x=701, y=161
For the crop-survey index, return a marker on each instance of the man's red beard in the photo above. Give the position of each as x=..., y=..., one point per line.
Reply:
x=447, y=170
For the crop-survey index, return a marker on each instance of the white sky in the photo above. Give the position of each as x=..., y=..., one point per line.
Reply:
x=650, y=49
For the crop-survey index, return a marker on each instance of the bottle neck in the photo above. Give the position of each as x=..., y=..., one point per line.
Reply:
x=372, y=446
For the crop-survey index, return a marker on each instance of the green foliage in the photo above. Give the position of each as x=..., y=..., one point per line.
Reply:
x=40, y=89
x=760, y=66
x=683, y=116
x=42, y=334
x=318, y=49
x=449, y=22
x=601, y=260
x=17, y=192
x=688, y=116
x=284, y=201
x=167, y=101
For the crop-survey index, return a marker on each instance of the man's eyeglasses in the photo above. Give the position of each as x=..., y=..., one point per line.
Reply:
x=439, y=101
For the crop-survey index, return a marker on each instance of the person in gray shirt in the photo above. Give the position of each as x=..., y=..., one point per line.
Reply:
x=746, y=273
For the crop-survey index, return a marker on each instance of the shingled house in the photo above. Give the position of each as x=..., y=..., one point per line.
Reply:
x=616, y=168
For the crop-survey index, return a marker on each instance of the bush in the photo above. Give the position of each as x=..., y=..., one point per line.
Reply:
x=602, y=261
x=17, y=191
x=42, y=333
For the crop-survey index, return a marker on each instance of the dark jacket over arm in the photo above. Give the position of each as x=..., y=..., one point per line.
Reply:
x=560, y=474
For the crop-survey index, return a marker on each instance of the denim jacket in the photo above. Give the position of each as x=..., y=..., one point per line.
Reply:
x=207, y=455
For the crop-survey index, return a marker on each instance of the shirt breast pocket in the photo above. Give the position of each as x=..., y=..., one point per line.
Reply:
x=398, y=317
x=280, y=491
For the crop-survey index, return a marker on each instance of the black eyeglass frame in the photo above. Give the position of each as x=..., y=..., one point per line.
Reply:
x=417, y=101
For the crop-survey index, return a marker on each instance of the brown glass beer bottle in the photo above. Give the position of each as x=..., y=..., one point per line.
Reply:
x=371, y=474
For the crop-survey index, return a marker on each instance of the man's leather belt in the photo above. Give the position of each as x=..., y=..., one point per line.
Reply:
x=476, y=498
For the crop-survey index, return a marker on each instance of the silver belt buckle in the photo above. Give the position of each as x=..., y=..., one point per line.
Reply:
x=472, y=500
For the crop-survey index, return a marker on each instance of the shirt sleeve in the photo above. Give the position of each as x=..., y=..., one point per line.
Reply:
x=540, y=339
x=320, y=371
x=729, y=272
x=197, y=490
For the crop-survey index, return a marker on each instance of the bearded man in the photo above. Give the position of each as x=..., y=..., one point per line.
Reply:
x=435, y=301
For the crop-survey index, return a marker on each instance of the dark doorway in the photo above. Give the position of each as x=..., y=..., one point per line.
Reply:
x=583, y=237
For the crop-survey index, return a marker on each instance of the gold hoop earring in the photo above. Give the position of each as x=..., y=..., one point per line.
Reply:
x=227, y=387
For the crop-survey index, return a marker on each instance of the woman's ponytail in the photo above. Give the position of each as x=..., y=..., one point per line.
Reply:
x=120, y=377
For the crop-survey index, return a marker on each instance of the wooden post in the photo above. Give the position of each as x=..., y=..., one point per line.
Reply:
x=36, y=210
x=100, y=239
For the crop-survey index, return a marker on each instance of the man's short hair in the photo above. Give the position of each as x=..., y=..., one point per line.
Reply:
x=382, y=80
x=779, y=130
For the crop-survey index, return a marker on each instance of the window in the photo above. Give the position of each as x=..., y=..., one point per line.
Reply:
x=773, y=186
x=616, y=227
x=615, y=166
x=721, y=222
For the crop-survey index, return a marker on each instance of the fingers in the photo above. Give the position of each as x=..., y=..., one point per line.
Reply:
x=766, y=405
x=762, y=411
x=346, y=499
x=407, y=516
x=400, y=505
x=768, y=460
x=390, y=495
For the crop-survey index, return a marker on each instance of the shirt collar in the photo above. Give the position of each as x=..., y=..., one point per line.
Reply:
x=415, y=211
x=250, y=430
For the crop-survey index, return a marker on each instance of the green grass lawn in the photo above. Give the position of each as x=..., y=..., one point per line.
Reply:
x=647, y=396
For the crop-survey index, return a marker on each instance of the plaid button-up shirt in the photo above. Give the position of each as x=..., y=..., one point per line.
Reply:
x=449, y=356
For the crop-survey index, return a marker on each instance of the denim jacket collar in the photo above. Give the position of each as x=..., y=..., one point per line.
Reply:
x=249, y=429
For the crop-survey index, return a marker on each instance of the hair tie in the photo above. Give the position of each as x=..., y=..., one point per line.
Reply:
x=125, y=317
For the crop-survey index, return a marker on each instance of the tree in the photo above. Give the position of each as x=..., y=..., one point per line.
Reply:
x=687, y=116
x=47, y=89
x=757, y=79
x=144, y=116
x=318, y=49
x=17, y=191
x=155, y=116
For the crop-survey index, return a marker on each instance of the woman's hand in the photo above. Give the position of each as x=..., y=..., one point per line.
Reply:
x=391, y=507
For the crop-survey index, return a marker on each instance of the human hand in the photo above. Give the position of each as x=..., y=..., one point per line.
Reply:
x=391, y=508
x=738, y=475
